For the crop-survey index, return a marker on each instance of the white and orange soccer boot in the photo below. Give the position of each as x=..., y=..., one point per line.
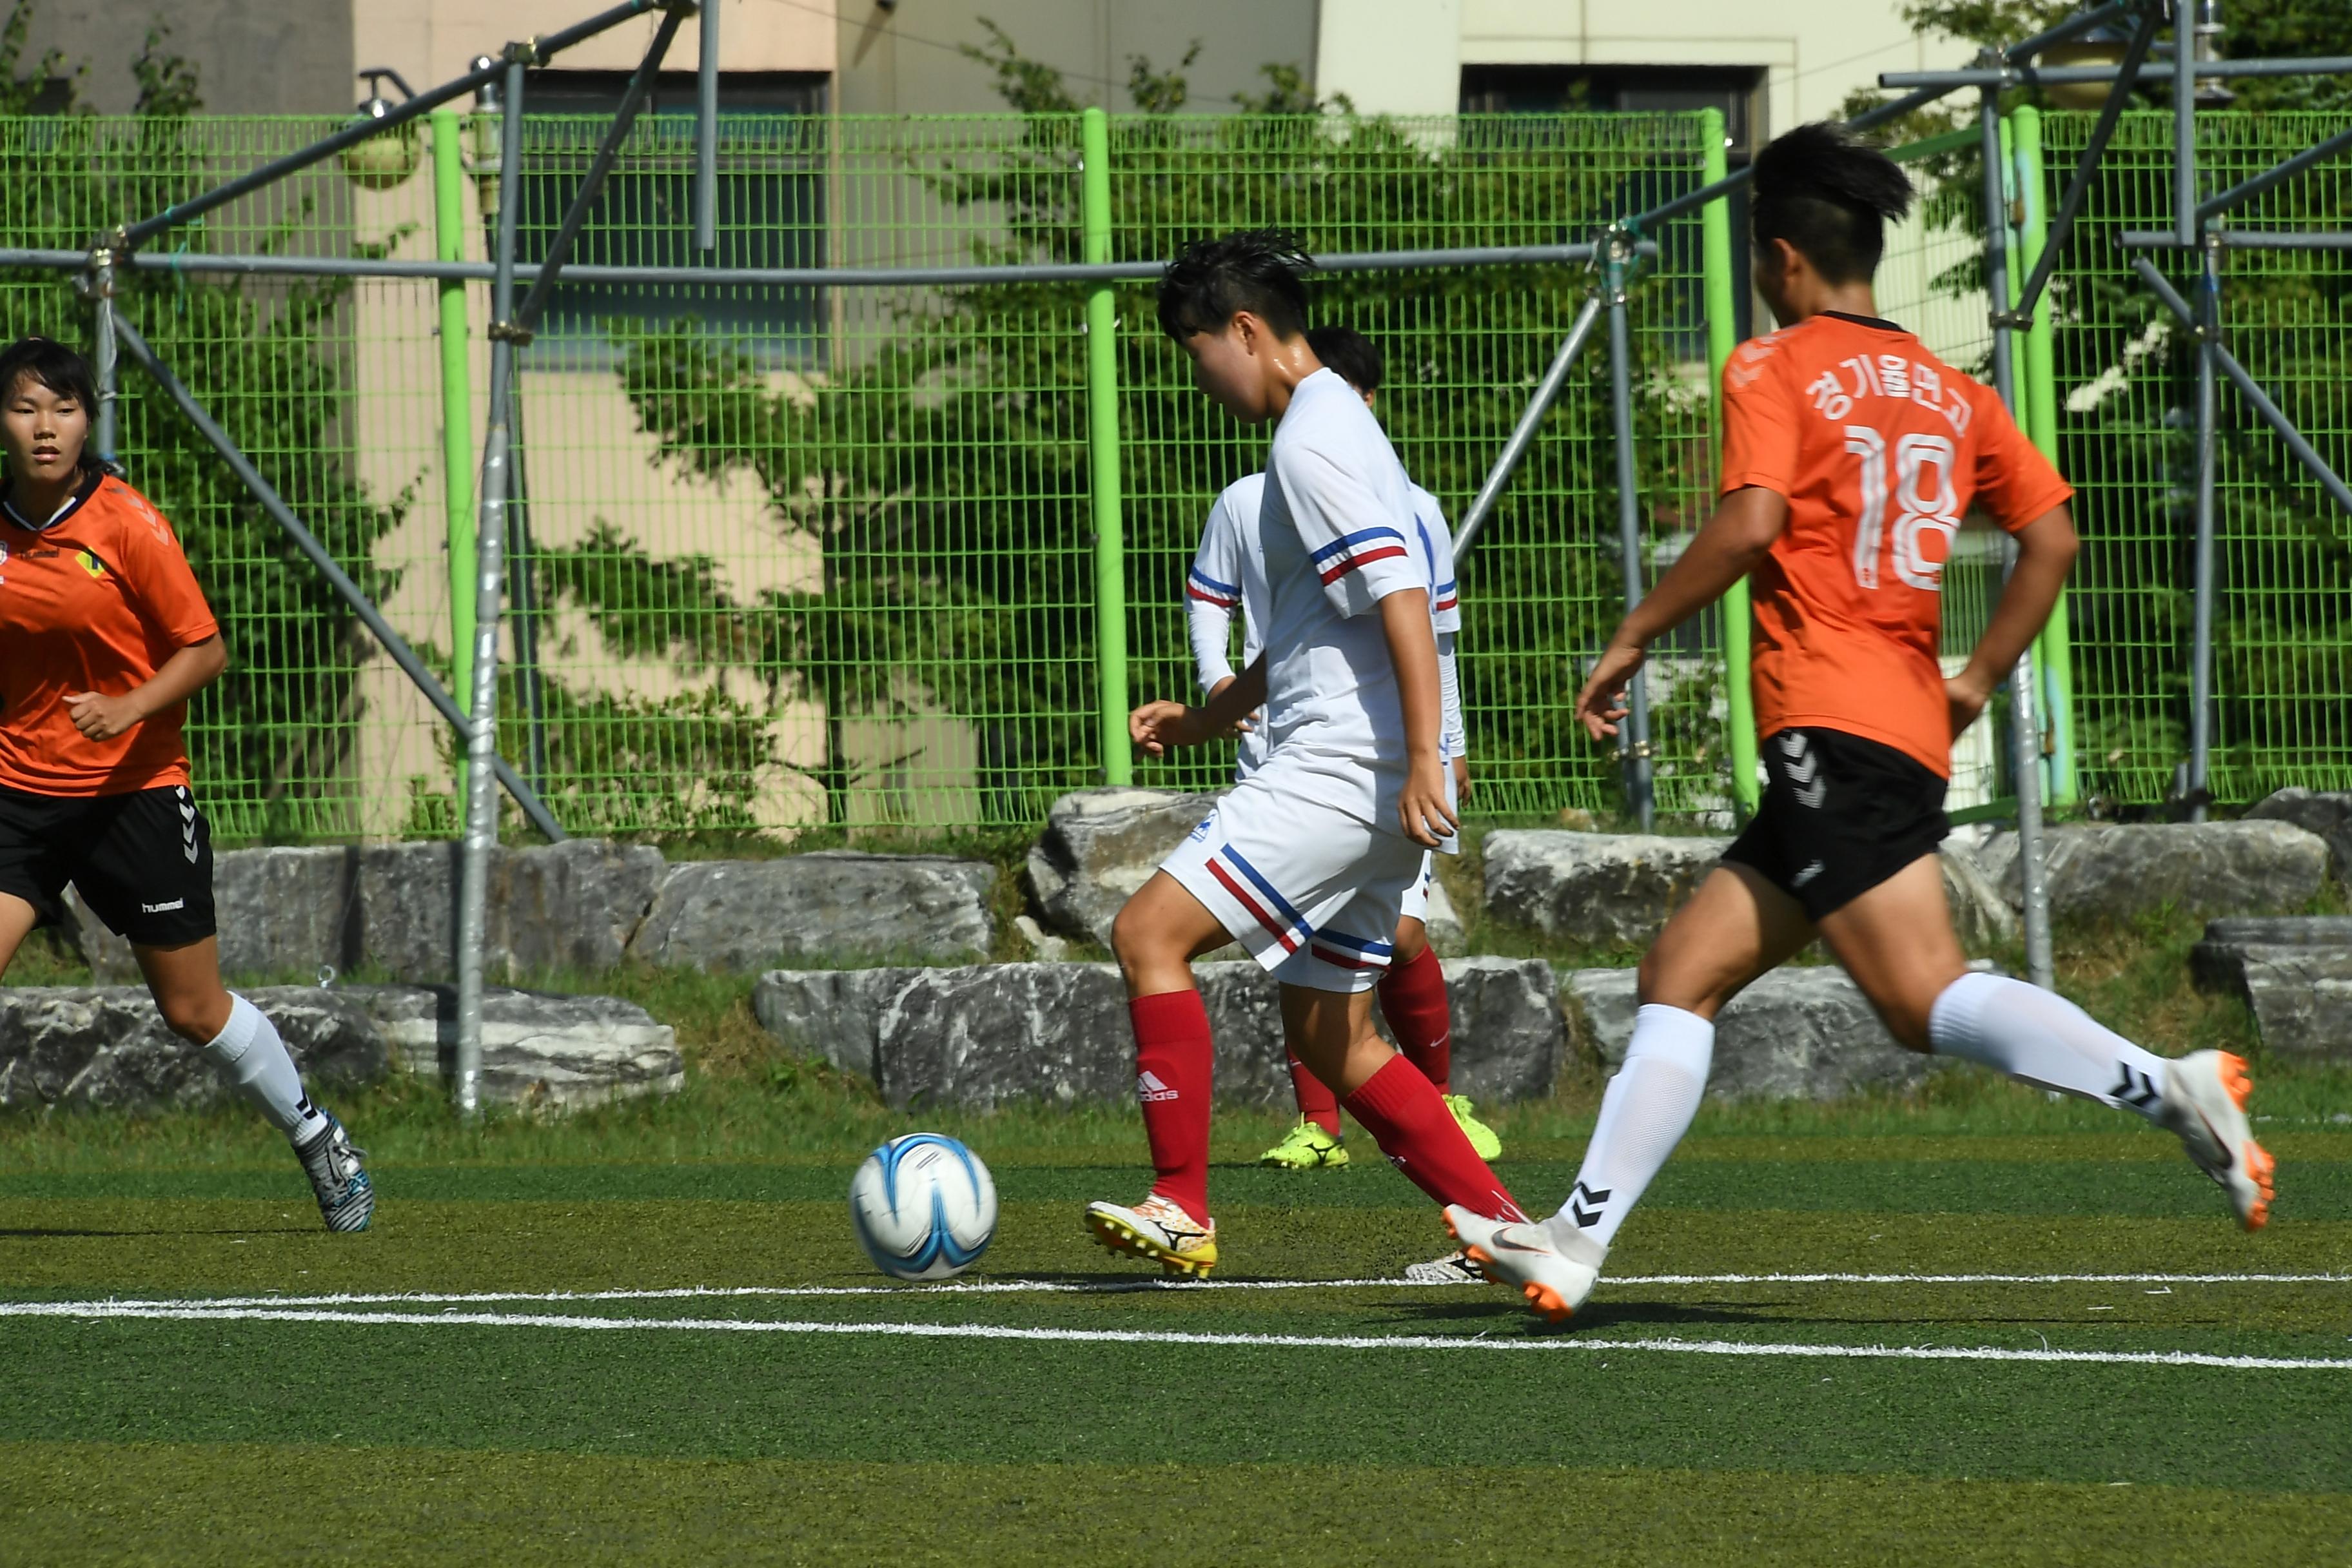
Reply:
x=1554, y=1273
x=2205, y=1095
x=1159, y=1229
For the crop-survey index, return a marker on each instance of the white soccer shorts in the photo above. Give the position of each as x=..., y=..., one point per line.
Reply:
x=1310, y=892
x=1416, y=897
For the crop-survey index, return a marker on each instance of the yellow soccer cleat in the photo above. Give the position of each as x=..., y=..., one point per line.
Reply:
x=1307, y=1147
x=1483, y=1139
x=1159, y=1230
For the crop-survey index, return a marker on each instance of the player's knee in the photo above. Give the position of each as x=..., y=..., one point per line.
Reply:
x=1135, y=939
x=1662, y=981
x=194, y=1017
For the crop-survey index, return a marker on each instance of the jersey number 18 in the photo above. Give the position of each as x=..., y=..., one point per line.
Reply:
x=1918, y=480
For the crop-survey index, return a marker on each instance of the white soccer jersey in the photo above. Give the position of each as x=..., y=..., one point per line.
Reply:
x=1337, y=533
x=1228, y=574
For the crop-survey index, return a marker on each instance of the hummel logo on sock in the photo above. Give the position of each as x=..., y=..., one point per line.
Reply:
x=1147, y=1086
x=1586, y=1218
x=2137, y=1090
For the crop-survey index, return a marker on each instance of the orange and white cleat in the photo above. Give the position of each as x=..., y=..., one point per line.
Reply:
x=2205, y=1095
x=1554, y=1273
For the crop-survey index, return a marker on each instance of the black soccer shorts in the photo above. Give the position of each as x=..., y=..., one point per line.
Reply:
x=143, y=861
x=1840, y=815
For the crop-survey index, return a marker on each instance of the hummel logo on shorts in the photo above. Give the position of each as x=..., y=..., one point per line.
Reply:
x=1149, y=1087
x=162, y=908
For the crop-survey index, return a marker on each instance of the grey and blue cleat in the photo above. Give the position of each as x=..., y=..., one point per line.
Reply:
x=339, y=1176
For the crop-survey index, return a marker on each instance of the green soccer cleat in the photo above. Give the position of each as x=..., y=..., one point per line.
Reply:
x=1483, y=1140
x=1308, y=1147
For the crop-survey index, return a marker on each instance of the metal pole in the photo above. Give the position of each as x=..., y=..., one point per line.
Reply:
x=2275, y=417
x=1523, y=434
x=791, y=277
x=2240, y=239
x=2247, y=190
x=2184, y=125
x=1691, y=201
x=537, y=52
x=2201, y=664
x=1639, y=786
x=592, y=184
x=706, y=134
x=1715, y=268
x=2078, y=188
x=107, y=431
x=2154, y=71
x=481, y=806
x=1102, y=458
x=457, y=406
x=2054, y=650
x=2025, y=735
x=2081, y=22
x=337, y=578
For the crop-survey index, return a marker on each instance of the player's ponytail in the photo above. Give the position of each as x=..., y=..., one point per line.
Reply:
x=1830, y=197
x=63, y=371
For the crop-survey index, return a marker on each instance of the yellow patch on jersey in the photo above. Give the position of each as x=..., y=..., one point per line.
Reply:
x=91, y=565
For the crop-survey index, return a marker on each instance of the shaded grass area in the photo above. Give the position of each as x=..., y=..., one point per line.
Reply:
x=134, y=1503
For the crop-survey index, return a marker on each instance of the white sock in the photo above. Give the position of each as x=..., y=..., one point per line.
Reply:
x=258, y=1062
x=2044, y=1039
x=1646, y=1111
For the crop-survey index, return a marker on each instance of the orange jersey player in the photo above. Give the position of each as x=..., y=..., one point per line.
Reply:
x=1851, y=455
x=104, y=636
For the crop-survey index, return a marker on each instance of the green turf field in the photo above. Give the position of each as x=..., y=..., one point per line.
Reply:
x=1977, y=1328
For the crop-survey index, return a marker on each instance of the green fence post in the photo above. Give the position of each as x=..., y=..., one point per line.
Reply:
x=2053, y=653
x=1722, y=337
x=1102, y=456
x=456, y=408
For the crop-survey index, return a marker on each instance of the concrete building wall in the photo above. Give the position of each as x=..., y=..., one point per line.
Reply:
x=252, y=57
x=905, y=59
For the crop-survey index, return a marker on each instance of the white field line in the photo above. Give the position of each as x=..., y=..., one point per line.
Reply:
x=1551, y=1344
x=1133, y=1287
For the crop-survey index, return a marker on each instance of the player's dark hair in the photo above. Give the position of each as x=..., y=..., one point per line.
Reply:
x=1350, y=353
x=59, y=368
x=1255, y=269
x=1829, y=197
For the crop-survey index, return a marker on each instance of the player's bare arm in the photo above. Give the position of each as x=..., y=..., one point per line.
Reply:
x=1422, y=809
x=1736, y=537
x=1156, y=726
x=2046, y=552
x=181, y=676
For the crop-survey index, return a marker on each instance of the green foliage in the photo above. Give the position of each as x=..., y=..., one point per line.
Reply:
x=275, y=727
x=945, y=474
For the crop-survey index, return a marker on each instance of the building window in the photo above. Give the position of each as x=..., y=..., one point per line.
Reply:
x=771, y=164
x=1737, y=91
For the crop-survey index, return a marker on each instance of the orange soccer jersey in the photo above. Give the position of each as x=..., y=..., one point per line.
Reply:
x=94, y=601
x=1881, y=448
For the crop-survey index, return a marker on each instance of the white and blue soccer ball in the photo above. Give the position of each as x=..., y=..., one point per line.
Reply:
x=924, y=1207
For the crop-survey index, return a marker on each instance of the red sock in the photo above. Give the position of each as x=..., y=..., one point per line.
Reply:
x=1172, y=1066
x=1401, y=1112
x=1316, y=1102
x=1412, y=999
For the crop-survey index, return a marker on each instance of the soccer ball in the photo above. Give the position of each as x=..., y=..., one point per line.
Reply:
x=924, y=1207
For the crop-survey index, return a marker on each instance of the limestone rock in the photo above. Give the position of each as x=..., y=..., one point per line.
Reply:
x=2327, y=813
x=1979, y=913
x=539, y=1049
x=1446, y=930
x=2302, y=1001
x=1599, y=889
x=571, y=906
x=1100, y=846
x=1796, y=1034
x=407, y=909
x=980, y=1035
x=2116, y=870
x=835, y=1014
x=739, y=915
x=2218, y=962
x=106, y=1046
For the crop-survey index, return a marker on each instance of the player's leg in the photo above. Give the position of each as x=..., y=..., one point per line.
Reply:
x=1313, y=1143
x=1155, y=938
x=146, y=872
x=1420, y=1014
x=1896, y=941
x=1736, y=927
x=17, y=919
